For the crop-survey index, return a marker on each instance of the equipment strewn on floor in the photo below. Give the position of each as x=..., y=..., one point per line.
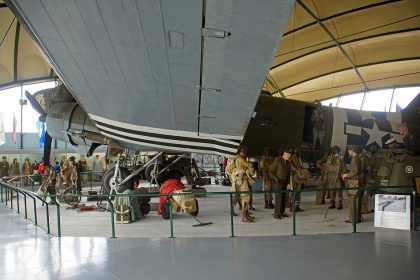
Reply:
x=84, y=207
x=200, y=223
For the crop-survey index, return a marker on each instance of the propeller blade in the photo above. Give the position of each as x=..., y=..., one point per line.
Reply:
x=47, y=148
x=35, y=104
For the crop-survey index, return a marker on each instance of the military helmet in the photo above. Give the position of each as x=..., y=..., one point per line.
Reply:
x=287, y=150
x=335, y=149
x=242, y=148
x=354, y=148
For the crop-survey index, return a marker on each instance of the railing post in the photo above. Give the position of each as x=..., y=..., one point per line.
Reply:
x=35, y=214
x=58, y=221
x=354, y=211
x=11, y=198
x=7, y=194
x=232, y=231
x=17, y=202
x=47, y=212
x=90, y=181
x=24, y=203
x=171, y=220
x=294, y=213
x=414, y=212
x=112, y=218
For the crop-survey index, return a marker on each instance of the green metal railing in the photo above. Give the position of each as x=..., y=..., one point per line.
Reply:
x=171, y=224
x=10, y=189
x=87, y=179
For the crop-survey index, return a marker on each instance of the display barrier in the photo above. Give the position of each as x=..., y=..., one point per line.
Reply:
x=87, y=179
x=9, y=189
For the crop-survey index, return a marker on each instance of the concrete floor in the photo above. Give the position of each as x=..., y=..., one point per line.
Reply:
x=214, y=208
x=26, y=252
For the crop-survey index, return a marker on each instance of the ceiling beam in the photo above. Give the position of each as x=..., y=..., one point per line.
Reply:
x=415, y=84
x=16, y=52
x=335, y=41
x=390, y=33
x=349, y=68
x=370, y=6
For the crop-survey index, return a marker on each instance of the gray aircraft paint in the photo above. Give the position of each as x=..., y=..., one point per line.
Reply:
x=139, y=62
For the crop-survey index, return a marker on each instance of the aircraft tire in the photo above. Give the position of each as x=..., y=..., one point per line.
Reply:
x=148, y=173
x=72, y=201
x=108, y=180
x=145, y=208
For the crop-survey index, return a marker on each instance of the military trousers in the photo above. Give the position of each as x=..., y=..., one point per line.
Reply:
x=351, y=197
x=241, y=185
x=317, y=134
x=334, y=193
x=295, y=195
x=280, y=198
x=267, y=186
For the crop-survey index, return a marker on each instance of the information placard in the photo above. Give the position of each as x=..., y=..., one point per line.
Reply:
x=392, y=211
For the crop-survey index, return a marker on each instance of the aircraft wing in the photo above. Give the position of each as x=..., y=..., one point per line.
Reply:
x=178, y=75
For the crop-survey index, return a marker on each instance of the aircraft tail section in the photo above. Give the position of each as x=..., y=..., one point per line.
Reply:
x=411, y=115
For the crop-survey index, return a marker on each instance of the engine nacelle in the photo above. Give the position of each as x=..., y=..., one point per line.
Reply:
x=66, y=120
x=69, y=123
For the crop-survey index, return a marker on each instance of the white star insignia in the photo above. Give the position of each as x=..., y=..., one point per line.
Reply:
x=375, y=135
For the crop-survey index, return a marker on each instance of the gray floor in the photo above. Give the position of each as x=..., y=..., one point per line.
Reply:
x=27, y=252
x=213, y=208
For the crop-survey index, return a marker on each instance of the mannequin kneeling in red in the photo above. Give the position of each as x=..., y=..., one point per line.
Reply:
x=172, y=184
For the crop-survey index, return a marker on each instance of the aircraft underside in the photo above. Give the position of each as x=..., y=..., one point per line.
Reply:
x=173, y=75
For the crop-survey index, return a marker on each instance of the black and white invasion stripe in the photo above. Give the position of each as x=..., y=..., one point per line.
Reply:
x=167, y=139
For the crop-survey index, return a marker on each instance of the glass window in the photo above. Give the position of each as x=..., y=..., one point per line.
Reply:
x=403, y=97
x=332, y=101
x=10, y=107
x=352, y=101
x=378, y=100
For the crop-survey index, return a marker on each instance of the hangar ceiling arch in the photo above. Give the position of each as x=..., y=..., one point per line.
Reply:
x=331, y=48
x=21, y=61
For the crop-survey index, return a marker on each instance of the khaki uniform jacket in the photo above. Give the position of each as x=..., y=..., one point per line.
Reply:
x=280, y=169
x=334, y=165
x=297, y=169
x=4, y=166
x=321, y=163
x=355, y=175
x=334, y=168
x=264, y=164
x=14, y=169
x=26, y=168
